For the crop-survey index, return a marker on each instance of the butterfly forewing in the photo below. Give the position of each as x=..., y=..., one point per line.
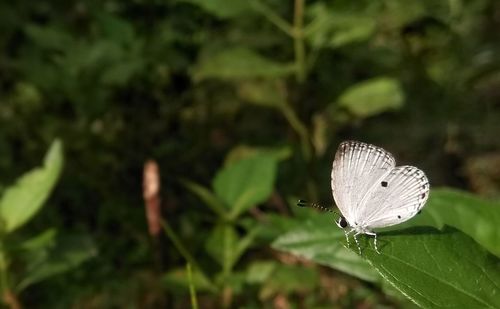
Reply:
x=396, y=198
x=356, y=169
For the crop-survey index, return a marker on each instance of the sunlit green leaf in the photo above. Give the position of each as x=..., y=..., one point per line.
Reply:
x=477, y=217
x=372, y=97
x=24, y=199
x=437, y=269
x=320, y=240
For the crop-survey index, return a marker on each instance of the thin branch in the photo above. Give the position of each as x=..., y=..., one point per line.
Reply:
x=274, y=18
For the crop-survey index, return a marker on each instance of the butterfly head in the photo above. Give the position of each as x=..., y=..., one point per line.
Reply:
x=342, y=222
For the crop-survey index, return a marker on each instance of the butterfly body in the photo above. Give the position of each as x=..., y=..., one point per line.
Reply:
x=371, y=191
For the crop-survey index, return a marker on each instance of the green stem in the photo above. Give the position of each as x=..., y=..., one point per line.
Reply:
x=181, y=248
x=300, y=128
x=192, y=292
x=4, y=284
x=8, y=296
x=298, y=40
x=274, y=18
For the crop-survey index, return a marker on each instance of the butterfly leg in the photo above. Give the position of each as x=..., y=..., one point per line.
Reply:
x=347, y=237
x=357, y=242
x=375, y=241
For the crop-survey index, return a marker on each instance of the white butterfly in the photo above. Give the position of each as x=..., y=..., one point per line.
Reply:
x=372, y=192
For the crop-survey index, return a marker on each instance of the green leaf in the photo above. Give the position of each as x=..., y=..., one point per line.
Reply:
x=223, y=8
x=246, y=183
x=68, y=253
x=289, y=278
x=320, y=240
x=259, y=271
x=268, y=93
x=207, y=197
x=243, y=151
x=477, y=217
x=238, y=63
x=221, y=243
x=225, y=245
x=177, y=279
x=437, y=269
x=23, y=200
x=45, y=239
x=334, y=28
x=372, y=97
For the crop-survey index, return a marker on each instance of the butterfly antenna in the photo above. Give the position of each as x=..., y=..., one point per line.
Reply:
x=303, y=203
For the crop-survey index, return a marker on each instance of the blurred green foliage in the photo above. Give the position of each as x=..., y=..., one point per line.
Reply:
x=251, y=97
x=24, y=262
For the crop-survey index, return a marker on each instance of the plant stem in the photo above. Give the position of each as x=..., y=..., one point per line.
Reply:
x=4, y=285
x=299, y=127
x=192, y=292
x=274, y=18
x=8, y=296
x=181, y=248
x=298, y=40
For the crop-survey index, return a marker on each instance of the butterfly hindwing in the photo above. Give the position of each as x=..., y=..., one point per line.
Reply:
x=396, y=198
x=356, y=169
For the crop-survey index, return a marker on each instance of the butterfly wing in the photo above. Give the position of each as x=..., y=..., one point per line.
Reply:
x=356, y=168
x=399, y=196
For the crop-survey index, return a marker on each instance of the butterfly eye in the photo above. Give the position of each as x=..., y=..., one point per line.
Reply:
x=342, y=222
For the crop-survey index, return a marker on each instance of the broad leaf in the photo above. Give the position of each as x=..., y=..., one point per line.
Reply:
x=246, y=183
x=372, y=97
x=221, y=243
x=437, y=269
x=320, y=240
x=334, y=28
x=23, y=200
x=239, y=63
x=475, y=216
